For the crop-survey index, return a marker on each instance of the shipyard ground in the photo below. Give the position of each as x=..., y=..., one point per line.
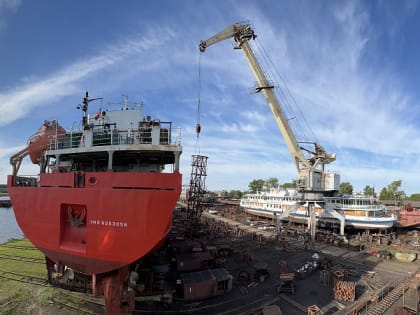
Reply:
x=375, y=276
x=246, y=248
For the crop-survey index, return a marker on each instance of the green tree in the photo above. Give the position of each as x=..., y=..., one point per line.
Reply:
x=414, y=197
x=392, y=192
x=256, y=185
x=394, y=186
x=289, y=185
x=346, y=188
x=224, y=193
x=272, y=182
x=385, y=194
x=235, y=194
x=400, y=195
x=368, y=191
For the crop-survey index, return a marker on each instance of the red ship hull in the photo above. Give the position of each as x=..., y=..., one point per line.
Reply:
x=110, y=221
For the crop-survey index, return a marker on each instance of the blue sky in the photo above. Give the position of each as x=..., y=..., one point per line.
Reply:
x=351, y=66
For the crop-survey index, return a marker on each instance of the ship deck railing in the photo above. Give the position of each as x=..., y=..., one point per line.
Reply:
x=113, y=136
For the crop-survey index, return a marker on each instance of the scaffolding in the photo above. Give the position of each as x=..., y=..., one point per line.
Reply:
x=196, y=191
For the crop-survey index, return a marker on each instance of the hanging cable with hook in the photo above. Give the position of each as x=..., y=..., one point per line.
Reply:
x=198, y=126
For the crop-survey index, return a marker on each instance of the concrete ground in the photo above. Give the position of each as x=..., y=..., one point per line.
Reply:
x=253, y=248
x=370, y=273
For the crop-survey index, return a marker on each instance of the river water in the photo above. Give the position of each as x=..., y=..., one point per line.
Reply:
x=8, y=226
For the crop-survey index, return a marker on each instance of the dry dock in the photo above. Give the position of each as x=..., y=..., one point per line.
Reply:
x=345, y=279
x=271, y=273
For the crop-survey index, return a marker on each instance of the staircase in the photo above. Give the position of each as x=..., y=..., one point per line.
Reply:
x=286, y=213
x=383, y=305
x=330, y=209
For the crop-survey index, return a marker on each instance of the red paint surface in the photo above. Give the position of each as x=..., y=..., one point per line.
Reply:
x=127, y=215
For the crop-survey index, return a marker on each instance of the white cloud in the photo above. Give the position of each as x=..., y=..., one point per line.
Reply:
x=6, y=152
x=10, y=4
x=5, y=7
x=41, y=91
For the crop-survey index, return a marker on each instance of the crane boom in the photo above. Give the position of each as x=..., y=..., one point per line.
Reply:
x=310, y=170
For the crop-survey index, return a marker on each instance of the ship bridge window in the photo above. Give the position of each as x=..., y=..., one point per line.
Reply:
x=134, y=161
x=51, y=164
x=93, y=162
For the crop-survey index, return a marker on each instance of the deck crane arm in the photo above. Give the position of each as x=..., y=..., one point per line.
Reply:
x=310, y=169
x=16, y=159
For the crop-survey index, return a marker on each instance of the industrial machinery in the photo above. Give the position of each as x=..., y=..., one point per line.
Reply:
x=310, y=166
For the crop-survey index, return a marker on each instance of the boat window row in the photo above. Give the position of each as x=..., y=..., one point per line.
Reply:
x=351, y=201
x=122, y=161
x=362, y=213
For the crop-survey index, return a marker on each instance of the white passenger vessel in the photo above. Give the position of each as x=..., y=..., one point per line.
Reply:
x=353, y=211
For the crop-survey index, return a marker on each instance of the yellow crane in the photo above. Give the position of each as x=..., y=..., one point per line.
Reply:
x=310, y=169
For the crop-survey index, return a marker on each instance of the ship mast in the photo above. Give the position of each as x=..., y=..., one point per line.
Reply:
x=85, y=107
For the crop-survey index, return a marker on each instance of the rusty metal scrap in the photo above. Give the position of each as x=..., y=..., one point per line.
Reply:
x=345, y=291
x=314, y=310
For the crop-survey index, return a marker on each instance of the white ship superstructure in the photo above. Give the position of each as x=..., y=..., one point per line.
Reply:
x=353, y=211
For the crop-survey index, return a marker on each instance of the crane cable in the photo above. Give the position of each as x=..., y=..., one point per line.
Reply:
x=289, y=101
x=198, y=126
